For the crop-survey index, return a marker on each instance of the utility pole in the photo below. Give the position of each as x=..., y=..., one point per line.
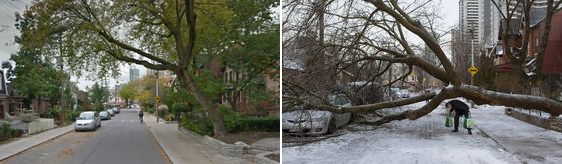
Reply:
x=472, y=51
x=62, y=102
x=157, y=97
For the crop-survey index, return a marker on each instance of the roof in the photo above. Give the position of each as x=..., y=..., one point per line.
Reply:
x=538, y=14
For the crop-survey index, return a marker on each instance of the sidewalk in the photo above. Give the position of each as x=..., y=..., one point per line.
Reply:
x=530, y=143
x=9, y=149
x=185, y=146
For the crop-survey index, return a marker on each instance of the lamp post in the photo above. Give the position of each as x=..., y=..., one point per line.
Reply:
x=472, y=51
x=157, y=97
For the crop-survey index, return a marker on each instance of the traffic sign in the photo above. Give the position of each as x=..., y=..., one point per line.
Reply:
x=157, y=98
x=472, y=70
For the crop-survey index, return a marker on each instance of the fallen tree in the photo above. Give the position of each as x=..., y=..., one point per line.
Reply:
x=367, y=37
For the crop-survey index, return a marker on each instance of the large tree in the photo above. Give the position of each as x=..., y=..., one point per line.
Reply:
x=361, y=31
x=160, y=35
x=33, y=75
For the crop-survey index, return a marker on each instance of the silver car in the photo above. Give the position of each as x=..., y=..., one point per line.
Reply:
x=104, y=115
x=87, y=121
x=111, y=112
x=315, y=122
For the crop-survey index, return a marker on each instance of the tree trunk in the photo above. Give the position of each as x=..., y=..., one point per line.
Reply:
x=212, y=110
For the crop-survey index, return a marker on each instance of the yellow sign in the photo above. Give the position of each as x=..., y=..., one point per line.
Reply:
x=157, y=98
x=473, y=70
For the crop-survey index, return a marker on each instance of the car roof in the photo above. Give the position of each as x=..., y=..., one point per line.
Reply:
x=87, y=112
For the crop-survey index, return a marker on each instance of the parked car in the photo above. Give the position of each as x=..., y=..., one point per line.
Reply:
x=104, y=115
x=87, y=121
x=111, y=112
x=404, y=93
x=116, y=110
x=316, y=122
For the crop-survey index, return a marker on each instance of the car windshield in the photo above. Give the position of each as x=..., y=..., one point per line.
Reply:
x=104, y=113
x=86, y=116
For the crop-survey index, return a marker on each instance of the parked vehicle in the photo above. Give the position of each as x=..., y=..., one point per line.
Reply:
x=87, y=121
x=104, y=115
x=116, y=110
x=111, y=112
x=315, y=122
x=404, y=93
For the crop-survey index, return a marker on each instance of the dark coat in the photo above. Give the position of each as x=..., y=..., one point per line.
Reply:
x=458, y=106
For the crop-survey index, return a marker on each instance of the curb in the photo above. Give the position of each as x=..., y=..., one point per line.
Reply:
x=39, y=143
x=261, y=157
x=162, y=150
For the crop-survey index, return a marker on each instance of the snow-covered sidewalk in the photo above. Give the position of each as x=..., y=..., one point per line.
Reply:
x=427, y=140
x=530, y=143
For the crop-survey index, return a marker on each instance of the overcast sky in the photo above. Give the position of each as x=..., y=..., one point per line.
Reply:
x=7, y=45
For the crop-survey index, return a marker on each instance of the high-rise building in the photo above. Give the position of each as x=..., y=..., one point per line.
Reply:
x=133, y=74
x=469, y=21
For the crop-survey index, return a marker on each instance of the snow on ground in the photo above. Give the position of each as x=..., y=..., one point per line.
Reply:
x=425, y=140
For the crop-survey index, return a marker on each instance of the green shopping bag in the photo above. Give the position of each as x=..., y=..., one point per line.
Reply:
x=448, y=121
x=468, y=123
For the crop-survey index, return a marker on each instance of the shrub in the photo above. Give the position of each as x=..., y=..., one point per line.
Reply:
x=71, y=115
x=235, y=122
x=199, y=122
x=181, y=107
x=6, y=132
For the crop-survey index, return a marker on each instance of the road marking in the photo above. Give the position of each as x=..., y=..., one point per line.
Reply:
x=132, y=121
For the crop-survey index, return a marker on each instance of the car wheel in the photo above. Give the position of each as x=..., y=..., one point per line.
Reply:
x=331, y=126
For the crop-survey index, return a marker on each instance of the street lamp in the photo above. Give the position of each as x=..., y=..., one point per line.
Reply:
x=157, y=97
x=472, y=50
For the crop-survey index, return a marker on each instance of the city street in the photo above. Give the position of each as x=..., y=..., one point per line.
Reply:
x=119, y=140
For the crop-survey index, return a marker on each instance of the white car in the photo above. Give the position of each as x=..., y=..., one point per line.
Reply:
x=404, y=93
x=87, y=121
x=315, y=122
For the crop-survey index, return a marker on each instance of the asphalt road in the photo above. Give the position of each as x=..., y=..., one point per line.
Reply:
x=120, y=140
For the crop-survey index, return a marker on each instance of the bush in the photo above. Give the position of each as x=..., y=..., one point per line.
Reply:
x=6, y=132
x=235, y=122
x=72, y=115
x=199, y=122
x=181, y=107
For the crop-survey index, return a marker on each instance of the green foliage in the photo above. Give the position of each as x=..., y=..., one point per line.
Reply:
x=181, y=107
x=210, y=86
x=180, y=95
x=98, y=96
x=129, y=91
x=199, y=122
x=54, y=112
x=235, y=122
x=6, y=132
x=72, y=115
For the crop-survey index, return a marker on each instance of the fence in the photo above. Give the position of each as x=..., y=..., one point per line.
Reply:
x=12, y=130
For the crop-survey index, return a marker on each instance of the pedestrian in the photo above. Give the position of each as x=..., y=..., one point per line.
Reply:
x=140, y=116
x=460, y=109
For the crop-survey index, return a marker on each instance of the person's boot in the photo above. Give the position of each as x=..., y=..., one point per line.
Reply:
x=456, y=130
x=469, y=132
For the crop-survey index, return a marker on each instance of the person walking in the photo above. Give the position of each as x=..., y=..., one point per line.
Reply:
x=460, y=109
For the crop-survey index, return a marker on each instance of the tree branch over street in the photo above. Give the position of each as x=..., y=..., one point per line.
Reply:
x=357, y=35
